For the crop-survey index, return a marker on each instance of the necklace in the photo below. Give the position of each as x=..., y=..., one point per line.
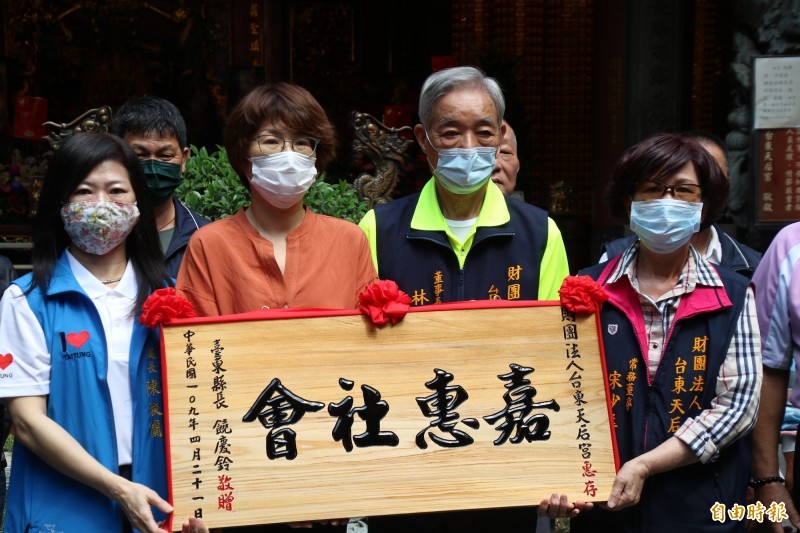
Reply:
x=170, y=221
x=107, y=281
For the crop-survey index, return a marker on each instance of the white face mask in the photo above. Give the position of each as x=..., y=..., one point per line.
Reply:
x=284, y=178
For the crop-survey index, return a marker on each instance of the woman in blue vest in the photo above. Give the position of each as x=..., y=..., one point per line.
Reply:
x=82, y=377
x=682, y=351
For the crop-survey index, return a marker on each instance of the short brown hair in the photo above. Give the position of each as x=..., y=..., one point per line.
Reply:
x=284, y=105
x=659, y=157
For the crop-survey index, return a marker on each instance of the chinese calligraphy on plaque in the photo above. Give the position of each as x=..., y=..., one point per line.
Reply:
x=301, y=407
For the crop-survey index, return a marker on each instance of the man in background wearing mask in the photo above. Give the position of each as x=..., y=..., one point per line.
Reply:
x=422, y=241
x=155, y=129
x=506, y=166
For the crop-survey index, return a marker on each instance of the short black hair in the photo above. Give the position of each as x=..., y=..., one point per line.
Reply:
x=149, y=114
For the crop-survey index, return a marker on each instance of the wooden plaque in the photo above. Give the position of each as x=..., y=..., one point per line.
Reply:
x=301, y=415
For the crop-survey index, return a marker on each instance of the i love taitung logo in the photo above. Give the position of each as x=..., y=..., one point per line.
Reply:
x=72, y=341
x=78, y=339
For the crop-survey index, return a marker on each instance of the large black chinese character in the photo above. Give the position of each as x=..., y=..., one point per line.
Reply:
x=519, y=404
x=276, y=407
x=441, y=407
x=372, y=412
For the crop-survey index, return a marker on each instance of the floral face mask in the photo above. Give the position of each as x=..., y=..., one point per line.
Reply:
x=97, y=227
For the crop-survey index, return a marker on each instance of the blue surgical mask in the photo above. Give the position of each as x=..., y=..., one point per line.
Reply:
x=665, y=225
x=465, y=170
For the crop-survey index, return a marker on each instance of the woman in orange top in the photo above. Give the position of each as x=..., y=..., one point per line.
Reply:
x=276, y=253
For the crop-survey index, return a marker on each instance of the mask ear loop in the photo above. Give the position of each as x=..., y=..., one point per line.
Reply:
x=429, y=140
x=432, y=167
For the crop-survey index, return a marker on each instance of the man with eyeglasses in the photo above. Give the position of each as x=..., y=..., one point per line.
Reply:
x=156, y=131
x=711, y=241
x=461, y=239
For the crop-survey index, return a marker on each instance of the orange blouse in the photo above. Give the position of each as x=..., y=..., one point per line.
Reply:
x=230, y=268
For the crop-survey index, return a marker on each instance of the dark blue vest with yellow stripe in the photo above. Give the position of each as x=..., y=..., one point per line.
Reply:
x=503, y=262
x=647, y=414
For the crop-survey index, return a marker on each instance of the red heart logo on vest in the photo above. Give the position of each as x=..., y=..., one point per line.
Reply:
x=6, y=360
x=78, y=339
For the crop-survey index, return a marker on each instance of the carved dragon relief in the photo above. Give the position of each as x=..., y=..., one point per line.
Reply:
x=384, y=147
x=94, y=120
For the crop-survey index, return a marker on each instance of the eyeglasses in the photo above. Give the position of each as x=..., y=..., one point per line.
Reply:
x=271, y=144
x=652, y=190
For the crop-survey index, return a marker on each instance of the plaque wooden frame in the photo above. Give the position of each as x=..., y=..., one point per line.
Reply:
x=216, y=369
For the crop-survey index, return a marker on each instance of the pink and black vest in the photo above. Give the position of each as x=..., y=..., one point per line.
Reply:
x=648, y=413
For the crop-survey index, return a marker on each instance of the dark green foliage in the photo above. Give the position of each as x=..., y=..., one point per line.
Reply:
x=212, y=188
x=338, y=200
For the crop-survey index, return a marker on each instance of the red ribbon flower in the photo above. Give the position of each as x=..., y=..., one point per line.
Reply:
x=164, y=305
x=383, y=302
x=582, y=294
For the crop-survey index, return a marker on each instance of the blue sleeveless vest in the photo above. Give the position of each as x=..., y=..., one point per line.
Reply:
x=39, y=497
